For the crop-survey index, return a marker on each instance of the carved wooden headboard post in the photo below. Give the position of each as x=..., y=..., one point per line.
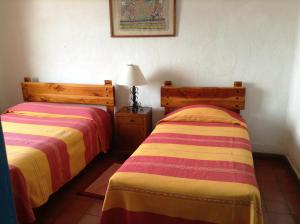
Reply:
x=167, y=108
x=238, y=84
x=27, y=79
x=110, y=108
x=70, y=93
x=232, y=98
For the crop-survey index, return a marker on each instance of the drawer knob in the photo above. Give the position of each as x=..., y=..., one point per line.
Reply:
x=131, y=120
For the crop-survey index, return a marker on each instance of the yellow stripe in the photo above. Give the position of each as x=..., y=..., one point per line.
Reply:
x=34, y=166
x=184, y=186
x=195, y=152
x=212, y=198
x=202, y=130
x=72, y=138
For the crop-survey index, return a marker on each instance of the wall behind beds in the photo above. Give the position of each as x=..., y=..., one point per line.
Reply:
x=218, y=41
x=2, y=90
x=293, y=112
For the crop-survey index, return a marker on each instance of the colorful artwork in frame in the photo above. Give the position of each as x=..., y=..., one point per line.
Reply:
x=142, y=18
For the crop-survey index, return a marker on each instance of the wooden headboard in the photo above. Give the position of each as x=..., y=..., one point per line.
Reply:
x=70, y=93
x=232, y=98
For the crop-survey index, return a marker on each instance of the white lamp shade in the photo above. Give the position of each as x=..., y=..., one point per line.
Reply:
x=131, y=76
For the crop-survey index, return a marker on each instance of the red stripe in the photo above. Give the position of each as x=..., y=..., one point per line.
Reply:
x=66, y=122
x=204, y=124
x=88, y=129
x=198, y=140
x=192, y=169
x=179, y=135
x=23, y=206
x=193, y=163
x=53, y=108
x=120, y=215
x=54, y=149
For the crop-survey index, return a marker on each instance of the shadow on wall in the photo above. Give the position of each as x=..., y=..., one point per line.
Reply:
x=16, y=62
x=122, y=95
x=178, y=16
x=254, y=98
x=258, y=121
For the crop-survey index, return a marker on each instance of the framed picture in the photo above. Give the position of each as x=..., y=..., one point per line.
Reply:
x=142, y=18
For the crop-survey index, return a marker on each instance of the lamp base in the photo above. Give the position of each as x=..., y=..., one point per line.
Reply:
x=135, y=104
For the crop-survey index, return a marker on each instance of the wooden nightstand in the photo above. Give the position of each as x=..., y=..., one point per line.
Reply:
x=132, y=128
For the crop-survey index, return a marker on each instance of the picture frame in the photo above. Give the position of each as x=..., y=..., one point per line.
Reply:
x=142, y=18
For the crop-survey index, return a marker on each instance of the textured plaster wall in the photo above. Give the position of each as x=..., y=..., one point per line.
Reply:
x=218, y=41
x=1, y=60
x=293, y=112
x=293, y=123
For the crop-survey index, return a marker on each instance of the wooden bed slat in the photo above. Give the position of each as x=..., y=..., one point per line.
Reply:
x=65, y=98
x=69, y=93
x=36, y=90
x=204, y=92
x=232, y=98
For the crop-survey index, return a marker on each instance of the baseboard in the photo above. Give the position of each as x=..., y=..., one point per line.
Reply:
x=269, y=156
x=267, y=149
x=293, y=167
x=280, y=157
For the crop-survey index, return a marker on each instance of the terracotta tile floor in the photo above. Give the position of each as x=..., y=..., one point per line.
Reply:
x=280, y=193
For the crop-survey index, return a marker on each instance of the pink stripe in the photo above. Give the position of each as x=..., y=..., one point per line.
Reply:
x=198, y=143
x=54, y=149
x=76, y=123
x=87, y=127
x=231, y=113
x=204, y=124
x=176, y=135
x=23, y=206
x=192, y=169
x=53, y=108
x=199, y=140
x=194, y=163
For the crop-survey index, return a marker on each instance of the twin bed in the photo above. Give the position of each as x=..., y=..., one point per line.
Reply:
x=48, y=143
x=195, y=167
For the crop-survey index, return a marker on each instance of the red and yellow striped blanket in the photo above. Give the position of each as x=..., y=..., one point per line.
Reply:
x=47, y=145
x=195, y=167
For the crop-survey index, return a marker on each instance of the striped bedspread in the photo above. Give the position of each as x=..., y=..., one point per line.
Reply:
x=195, y=167
x=47, y=145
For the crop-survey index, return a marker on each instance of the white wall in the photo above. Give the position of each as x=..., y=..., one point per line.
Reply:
x=293, y=123
x=293, y=112
x=2, y=98
x=218, y=41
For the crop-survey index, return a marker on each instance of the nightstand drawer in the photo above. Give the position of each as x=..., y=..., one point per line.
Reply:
x=131, y=129
x=130, y=136
x=130, y=120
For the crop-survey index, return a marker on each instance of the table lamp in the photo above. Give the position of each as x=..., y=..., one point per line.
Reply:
x=132, y=76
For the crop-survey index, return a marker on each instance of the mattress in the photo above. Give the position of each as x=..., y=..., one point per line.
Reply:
x=47, y=145
x=195, y=167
